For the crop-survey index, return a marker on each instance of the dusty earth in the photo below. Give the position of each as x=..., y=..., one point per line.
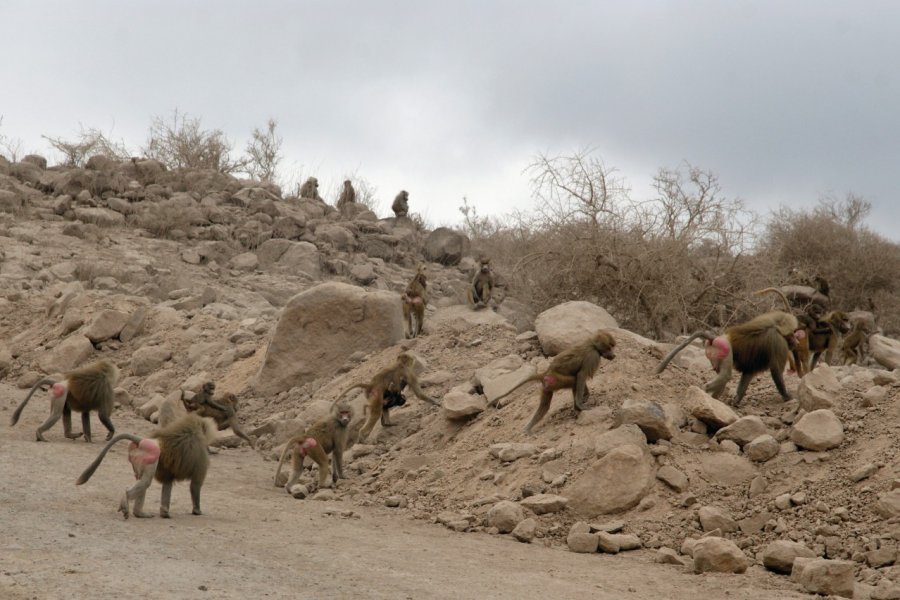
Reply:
x=255, y=541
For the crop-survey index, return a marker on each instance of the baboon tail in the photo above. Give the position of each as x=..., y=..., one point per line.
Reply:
x=18, y=411
x=93, y=466
x=284, y=454
x=787, y=305
x=535, y=377
x=347, y=391
x=665, y=362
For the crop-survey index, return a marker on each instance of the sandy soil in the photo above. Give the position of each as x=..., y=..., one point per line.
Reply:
x=254, y=541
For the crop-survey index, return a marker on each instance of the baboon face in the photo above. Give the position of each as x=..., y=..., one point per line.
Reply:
x=604, y=343
x=485, y=265
x=343, y=413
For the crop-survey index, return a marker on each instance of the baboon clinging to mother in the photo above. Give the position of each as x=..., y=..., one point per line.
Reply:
x=223, y=411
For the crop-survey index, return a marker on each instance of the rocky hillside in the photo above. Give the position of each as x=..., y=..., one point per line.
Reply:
x=183, y=277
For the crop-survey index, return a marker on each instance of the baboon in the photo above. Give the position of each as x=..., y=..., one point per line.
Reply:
x=798, y=340
x=392, y=379
x=414, y=301
x=571, y=369
x=852, y=349
x=824, y=338
x=223, y=411
x=821, y=285
x=310, y=189
x=479, y=293
x=328, y=436
x=401, y=204
x=172, y=453
x=348, y=196
x=752, y=347
x=85, y=389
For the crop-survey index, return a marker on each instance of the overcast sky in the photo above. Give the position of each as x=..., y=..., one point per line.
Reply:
x=785, y=101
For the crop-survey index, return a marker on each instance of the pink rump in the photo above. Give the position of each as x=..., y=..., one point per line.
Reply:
x=58, y=389
x=721, y=345
x=146, y=451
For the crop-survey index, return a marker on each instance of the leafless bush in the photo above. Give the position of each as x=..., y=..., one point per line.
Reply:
x=182, y=143
x=264, y=153
x=11, y=147
x=86, y=143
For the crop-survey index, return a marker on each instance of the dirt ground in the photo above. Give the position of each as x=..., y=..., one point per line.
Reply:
x=255, y=541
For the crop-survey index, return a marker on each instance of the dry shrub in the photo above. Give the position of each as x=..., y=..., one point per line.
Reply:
x=86, y=143
x=181, y=143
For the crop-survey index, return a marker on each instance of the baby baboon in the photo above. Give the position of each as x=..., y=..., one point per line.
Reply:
x=328, y=436
x=310, y=189
x=852, y=349
x=85, y=389
x=348, y=196
x=392, y=379
x=479, y=293
x=401, y=204
x=173, y=453
x=571, y=369
x=223, y=411
x=414, y=302
x=824, y=339
x=752, y=347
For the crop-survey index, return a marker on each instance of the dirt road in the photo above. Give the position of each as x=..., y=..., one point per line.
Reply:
x=254, y=541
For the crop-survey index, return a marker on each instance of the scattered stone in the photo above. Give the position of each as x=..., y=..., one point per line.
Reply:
x=885, y=351
x=582, y=542
x=758, y=486
x=730, y=447
x=541, y=504
x=713, y=517
x=510, y=451
x=783, y=502
x=779, y=555
x=525, y=530
x=396, y=502
x=616, y=482
x=106, y=324
x=705, y=408
x=457, y=404
x=673, y=478
x=888, y=504
x=687, y=546
x=299, y=491
x=743, y=431
x=762, y=448
x=874, y=396
x=624, y=434
x=818, y=431
x=668, y=556
x=505, y=515
x=715, y=554
x=608, y=527
x=647, y=415
x=863, y=472
x=818, y=389
x=882, y=557
x=608, y=542
x=823, y=576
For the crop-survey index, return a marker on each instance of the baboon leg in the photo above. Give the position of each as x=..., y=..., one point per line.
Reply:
x=778, y=378
x=386, y=417
x=580, y=391
x=376, y=407
x=297, y=467
x=107, y=422
x=57, y=408
x=196, y=485
x=337, y=462
x=165, y=498
x=318, y=455
x=67, y=423
x=815, y=359
x=543, y=407
x=138, y=492
x=240, y=433
x=744, y=382
x=86, y=425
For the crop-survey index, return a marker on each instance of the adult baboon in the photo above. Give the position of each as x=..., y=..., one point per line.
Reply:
x=401, y=204
x=825, y=338
x=480, y=291
x=414, y=302
x=85, y=389
x=347, y=197
x=752, y=347
x=310, y=189
x=571, y=369
x=327, y=436
x=173, y=453
x=392, y=379
x=798, y=340
x=853, y=346
x=223, y=411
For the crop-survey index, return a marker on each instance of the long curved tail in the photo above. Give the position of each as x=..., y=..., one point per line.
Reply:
x=787, y=305
x=347, y=391
x=18, y=411
x=665, y=362
x=535, y=377
x=93, y=466
x=284, y=454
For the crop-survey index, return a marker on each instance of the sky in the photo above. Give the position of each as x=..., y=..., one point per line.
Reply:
x=785, y=101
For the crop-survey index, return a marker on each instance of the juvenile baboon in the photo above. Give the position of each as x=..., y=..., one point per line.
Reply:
x=414, y=302
x=479, y=293
x=825, y=337
x=348, y=196
x=798, y=340
x=853, y=346
x=85, y=389
x=392, y=379
x=401, y=204
x=223, y=411
x=328, y=436
x=821, y=285
x=571, y=369
x=310, y=189
x=752, y=347
x=172, y=453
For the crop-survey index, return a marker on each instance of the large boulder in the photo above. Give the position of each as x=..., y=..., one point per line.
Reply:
x=885, y=350
x=818, y=431
x=570, y=323
x=320, y=328
x=505, y=515
x=462, y=318
x=70, y=353
x=445, y=246
x=615, y=483
x=818, y=389
x=607, y=441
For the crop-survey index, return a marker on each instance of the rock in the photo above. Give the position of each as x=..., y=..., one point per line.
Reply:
x=320, y=328
x=886, y=590
x=363, y=274
x=525, y=530
x=713, y=517
x=102, y=217
x=673, y=478
x=625, y=541
x=445, y=246
x=715, y=554
x=541, y=504
x=69, y=354
x=148, y=359
x=457, y=405
x=758, y=486
x=510, y=451
x=783, y=502
x=818, y=431
x=625, y=434
x=505, y=515
x=134, y=325
x=727, y=469
x=615, y=483
x=779, y=555
x=246, y=261
x=874, y=396
x=822, y=576
x=705, y=408
x=462, y=318
x=299, y=491
x=608, y=542
x=687, y=546
x=396, y=501
x=885, y=351
x=107, y=324
x=582, y=542
x=762, y=449
x=888, y=504
x=743, y=431
x=818, y=389
x=863, y=472
x=668, y=556
x=647, y=415
x=882, y=557
x=570, y=323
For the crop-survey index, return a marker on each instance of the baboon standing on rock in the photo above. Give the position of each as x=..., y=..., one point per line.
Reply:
x=328, y=436
x=310, y=189
x=401, y=204
x=85, y=389
x=414, y=302
x=347, y=197
x=481, y=289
